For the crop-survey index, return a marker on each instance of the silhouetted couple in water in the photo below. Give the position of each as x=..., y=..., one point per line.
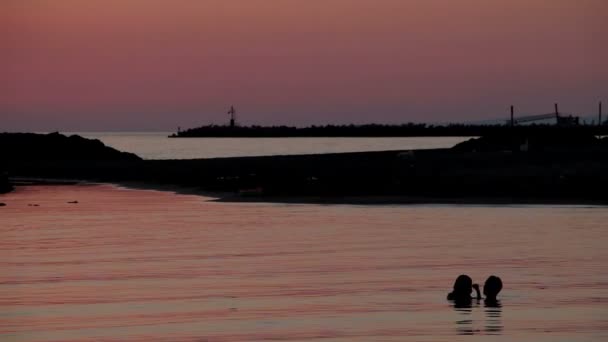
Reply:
x=463, y=287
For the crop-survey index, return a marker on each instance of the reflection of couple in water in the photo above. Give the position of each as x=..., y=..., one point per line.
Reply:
x=463, y=303
x=463, y=286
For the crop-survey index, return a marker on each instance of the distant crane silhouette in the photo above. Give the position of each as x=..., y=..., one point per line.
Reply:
x=232, y=113
x=560, y=118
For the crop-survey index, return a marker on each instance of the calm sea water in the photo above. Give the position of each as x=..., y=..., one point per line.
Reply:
x=135, y=265
x=156, y=145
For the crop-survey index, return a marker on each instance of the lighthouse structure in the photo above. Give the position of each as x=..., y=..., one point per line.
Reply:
x=232, y=113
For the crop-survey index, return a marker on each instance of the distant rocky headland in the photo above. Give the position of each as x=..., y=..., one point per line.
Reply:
x=33, y=152
x=56, y=147
x=537, y=166
x=377, y=130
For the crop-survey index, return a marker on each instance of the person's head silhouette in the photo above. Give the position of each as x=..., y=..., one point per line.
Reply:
x=463, y=286
x=492, y=287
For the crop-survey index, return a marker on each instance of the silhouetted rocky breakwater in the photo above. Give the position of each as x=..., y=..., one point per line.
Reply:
x=377, y=130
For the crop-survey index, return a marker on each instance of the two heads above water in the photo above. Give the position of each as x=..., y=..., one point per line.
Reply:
x=463, y=286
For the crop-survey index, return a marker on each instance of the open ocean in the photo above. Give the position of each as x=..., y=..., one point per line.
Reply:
x=141, y=265
x=156, y=145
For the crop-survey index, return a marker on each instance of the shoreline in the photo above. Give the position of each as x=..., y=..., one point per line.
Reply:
x=551, y=169
x=228, y=197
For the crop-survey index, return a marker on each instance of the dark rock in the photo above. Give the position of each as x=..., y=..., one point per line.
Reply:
x=5, y=185
x=57, y=147
x=524, y=140
x=2, y=204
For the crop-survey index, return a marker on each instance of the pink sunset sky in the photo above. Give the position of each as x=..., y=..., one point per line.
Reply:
x=155, y=65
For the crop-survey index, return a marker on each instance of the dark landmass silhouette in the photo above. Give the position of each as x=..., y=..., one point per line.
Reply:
x=56, y=147
x=377, y=130
x=5, y=185
x=31, y=150
x=555, y=166
x=533, y=139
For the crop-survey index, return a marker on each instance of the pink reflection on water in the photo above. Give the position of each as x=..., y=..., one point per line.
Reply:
x=134, y=265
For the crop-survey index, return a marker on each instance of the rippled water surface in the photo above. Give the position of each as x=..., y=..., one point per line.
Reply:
x=135, y=265
x=156, y=145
